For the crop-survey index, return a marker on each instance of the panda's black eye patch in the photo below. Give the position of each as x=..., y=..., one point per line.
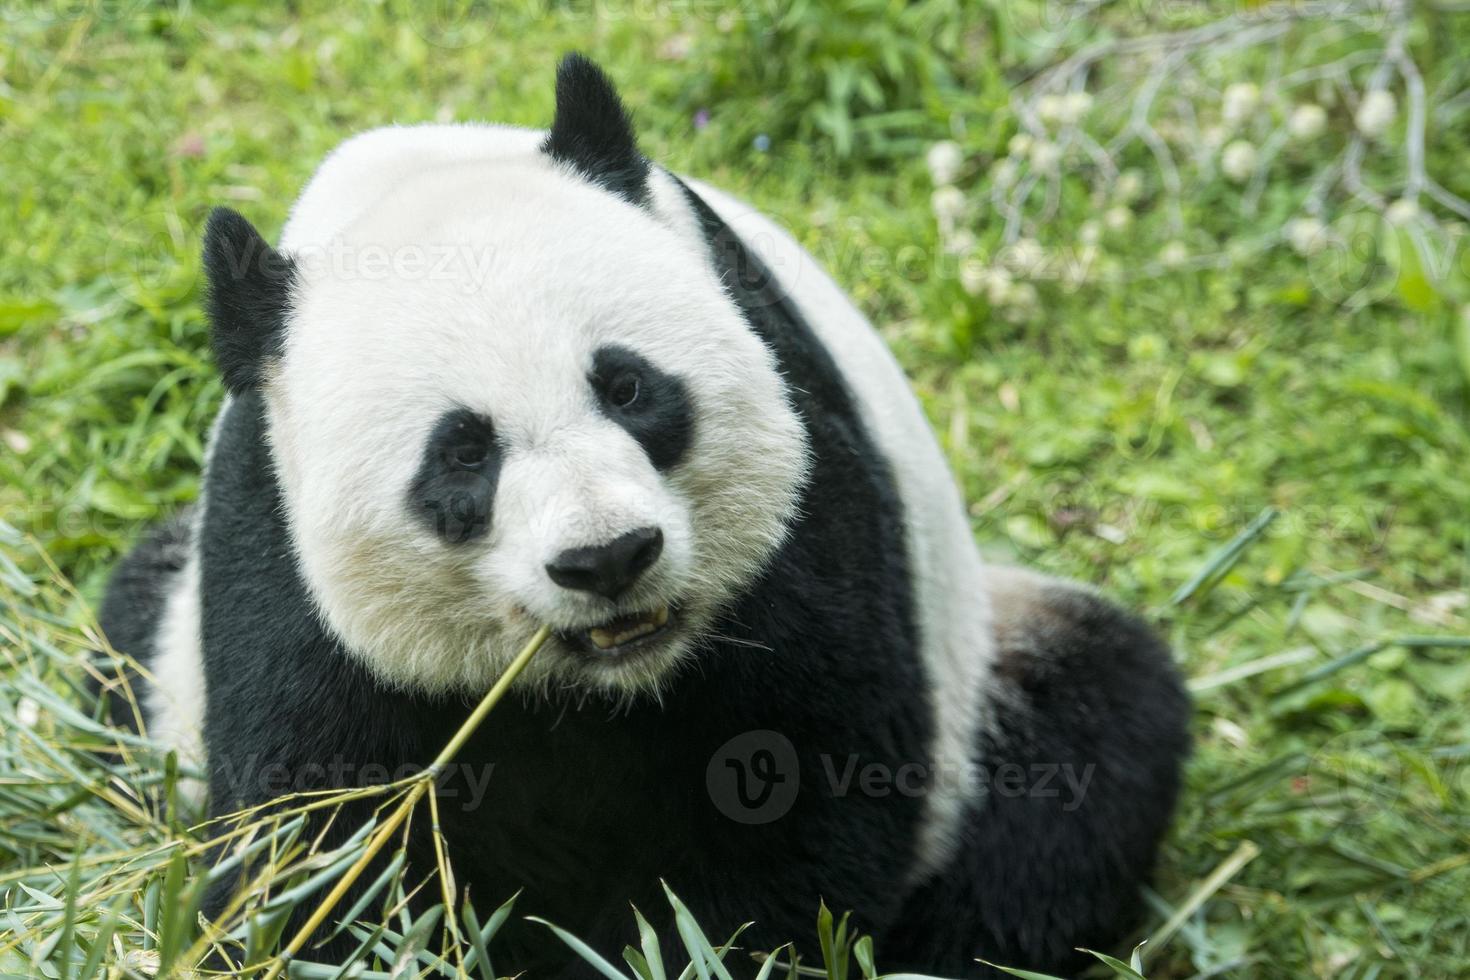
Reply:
x=454, y=488
x=652, y=406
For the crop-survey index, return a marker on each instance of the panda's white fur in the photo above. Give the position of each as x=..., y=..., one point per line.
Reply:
x=174, y=698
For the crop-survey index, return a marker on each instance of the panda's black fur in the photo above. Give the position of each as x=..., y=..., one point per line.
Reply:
x=592, y=132
x=591, y=804
x=136, y=594
x=1085, y=684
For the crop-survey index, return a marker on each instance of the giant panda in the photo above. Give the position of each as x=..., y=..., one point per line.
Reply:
x=494, y=378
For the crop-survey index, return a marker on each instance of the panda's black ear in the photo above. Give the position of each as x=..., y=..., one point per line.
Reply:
x=592, y=132
x=249, y=296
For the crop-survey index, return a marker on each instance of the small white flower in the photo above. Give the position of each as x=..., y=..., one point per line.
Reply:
x=1075, y=106
x=1375, y=113
x=998, y=286
x=1023, y=303
x=1239, y=161
x=1090, y=233
x=1173, y=255
x=1064, y=110
x=18, y=441
x=677, y=47
x=1020, y=145
x=1307, y=121
x=973, y=276
x=1239, y=102
x=944, y=159
x=960, y=243
x=948, y=204
x=27, y=712
x=1117, y=218
x=1004, y=172
x=1307, y=236
x=1045, y=155
x=1214, y=136
x=1025, y=257
x=1401, y=212
x=1024, y=295
x=1129, y=186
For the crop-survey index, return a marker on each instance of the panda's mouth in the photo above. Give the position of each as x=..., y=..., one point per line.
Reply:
x=623, y=633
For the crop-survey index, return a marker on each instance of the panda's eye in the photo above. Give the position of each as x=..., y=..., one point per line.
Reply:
x=467, y=444
x=469, y=454
x=624, y=390
x=651, y=405
x=453, y=491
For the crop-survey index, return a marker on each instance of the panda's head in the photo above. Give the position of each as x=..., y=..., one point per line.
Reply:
x=504, y=386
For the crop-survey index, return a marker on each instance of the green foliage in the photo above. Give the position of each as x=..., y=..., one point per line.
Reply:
x=855, y=80
x=1128, y=425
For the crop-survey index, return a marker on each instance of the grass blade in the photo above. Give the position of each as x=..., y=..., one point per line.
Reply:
x=1224, y=559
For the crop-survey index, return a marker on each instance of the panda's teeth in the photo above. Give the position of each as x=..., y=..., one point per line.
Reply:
x=605, y=639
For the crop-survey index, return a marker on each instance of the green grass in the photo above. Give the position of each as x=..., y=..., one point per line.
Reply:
x=1125, y=433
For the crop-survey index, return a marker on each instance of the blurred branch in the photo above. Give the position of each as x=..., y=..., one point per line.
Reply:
x=1125, y=77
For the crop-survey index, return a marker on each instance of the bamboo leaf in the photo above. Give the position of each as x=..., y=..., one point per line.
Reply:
x=648, y=939
x=589, y=955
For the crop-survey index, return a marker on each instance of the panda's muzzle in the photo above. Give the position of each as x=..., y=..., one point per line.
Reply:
x=608, y=569
x=621, y=634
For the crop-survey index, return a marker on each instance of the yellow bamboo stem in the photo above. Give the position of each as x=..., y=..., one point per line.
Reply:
x=401, y=812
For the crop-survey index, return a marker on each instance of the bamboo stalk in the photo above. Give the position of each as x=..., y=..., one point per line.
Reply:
x=1227, y=869
x=421, y=785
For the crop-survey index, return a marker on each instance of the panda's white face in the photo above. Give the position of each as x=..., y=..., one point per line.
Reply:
x=519, y=399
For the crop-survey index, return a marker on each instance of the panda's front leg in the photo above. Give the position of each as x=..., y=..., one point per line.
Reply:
x=327, y=731
x=1080, y=764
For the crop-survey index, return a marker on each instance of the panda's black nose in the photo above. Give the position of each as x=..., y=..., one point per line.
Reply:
x=608, y=569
